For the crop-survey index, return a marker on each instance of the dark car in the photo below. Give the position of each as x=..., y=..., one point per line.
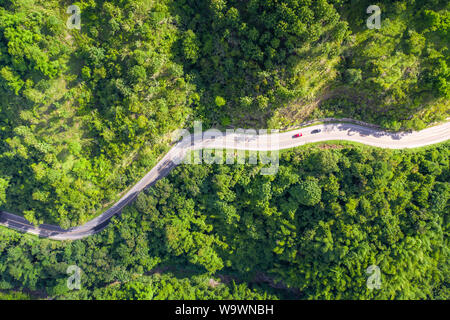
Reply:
x=316, y=131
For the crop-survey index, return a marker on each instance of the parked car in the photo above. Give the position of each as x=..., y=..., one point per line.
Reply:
x=298, y=135
x=316, y=131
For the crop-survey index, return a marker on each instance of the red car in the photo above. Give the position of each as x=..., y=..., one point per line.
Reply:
x=298, y=135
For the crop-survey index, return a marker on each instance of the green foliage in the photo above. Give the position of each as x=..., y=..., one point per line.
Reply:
x=84, y=114
x=190, y=46
x=307, y=192
x=13, y=295
x=251, y=53
x=396, y=76
x=353, y=76
x=77, y=107
x=313, y=232
x=220, y=102
x=3, y=186
x=168, y=287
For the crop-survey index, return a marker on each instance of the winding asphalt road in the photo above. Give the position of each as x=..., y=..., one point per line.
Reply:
x=237, y=141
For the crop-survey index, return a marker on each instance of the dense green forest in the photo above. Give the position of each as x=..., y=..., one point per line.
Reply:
x=85, y=113
x=276, y=60
x=155, y=287
x=398, y=75
x=221, y=231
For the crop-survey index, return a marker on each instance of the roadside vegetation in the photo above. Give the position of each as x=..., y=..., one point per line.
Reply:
x=308, y=232
x=85, y=113
x=396, y=76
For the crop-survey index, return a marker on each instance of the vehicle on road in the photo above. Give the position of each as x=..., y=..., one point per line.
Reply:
x=298, y=135
x=316, y=131
x=432, y=135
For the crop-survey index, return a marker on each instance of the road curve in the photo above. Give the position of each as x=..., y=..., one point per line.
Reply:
x=332, y=131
